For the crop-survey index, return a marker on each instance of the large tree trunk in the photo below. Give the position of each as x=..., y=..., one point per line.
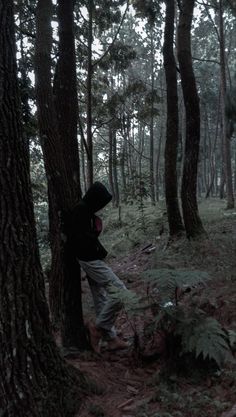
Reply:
x=192, y=221
x=34, y=381
x=67, y=117
x=171, y=188
x=225, y=138
x=89, y=96
x=62, y=174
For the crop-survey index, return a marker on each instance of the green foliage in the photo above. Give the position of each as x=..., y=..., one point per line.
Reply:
x=201, y=335
x=232, y=339
x=147, y=8
x=193, y=404
x=168, y=280
x=121, y=55
x=125, y=231
x=204, y=336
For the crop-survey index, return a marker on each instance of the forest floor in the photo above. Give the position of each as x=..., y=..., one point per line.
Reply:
x=130, y=386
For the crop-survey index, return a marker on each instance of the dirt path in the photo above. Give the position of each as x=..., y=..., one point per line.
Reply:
x=125, y=388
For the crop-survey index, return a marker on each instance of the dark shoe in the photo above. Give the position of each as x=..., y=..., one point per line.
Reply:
x=95, y=336
x=117, y=344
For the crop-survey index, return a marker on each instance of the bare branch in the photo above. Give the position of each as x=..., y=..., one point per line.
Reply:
x=106, y=122
x=213, y=61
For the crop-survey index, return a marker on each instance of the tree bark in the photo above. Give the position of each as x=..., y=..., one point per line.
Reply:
x=89, y=96
x=151, y=153
x=67, y=117
x=114, y=168
x=110, y=162
x=124, y=157
x=63, y=179
x=34, y=381
x=159, y=149
x=225, y=138
x=171, y=190
x=213, y=167
x=192, y=221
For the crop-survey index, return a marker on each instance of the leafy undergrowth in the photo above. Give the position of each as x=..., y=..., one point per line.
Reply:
x=149, y=379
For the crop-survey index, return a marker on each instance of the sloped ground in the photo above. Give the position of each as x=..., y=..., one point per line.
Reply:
x=130, y=387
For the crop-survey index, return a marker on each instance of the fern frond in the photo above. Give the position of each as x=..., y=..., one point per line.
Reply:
x=207, y=338
x=167, y=280
x=232, y=338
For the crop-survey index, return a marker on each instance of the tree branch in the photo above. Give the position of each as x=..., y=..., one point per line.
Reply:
x=25, y=32
x=213, y=61
x=212, y=21
x=114, y=39
x=207, y=5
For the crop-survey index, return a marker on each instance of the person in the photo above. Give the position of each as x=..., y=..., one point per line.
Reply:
x=85, y=228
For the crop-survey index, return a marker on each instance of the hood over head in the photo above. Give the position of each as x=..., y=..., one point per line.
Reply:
x=97, y=197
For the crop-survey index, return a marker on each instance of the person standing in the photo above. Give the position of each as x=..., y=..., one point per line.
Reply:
x=84, y=229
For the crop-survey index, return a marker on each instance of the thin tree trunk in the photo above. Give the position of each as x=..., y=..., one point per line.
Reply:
x=141, y=134
x=235, y=171
x=110, y=163
x=192, y=221
x=226, y=140
x=212, y=156
x=159, y=148
x=171, y=190
x=205, y=152
x=83, y=169
x=122, y=170
x=124, y=156
x=151, y=154
x=222, y=169
x=114, y=167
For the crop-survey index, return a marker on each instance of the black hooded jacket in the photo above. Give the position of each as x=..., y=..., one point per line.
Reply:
x=82, y=237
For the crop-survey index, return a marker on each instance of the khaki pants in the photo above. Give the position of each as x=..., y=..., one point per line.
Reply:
x=101, y=279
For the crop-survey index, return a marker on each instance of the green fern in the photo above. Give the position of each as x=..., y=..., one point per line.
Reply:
x=204, y=337
x=199, y=334
x=166, y=281
x=232, y=339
